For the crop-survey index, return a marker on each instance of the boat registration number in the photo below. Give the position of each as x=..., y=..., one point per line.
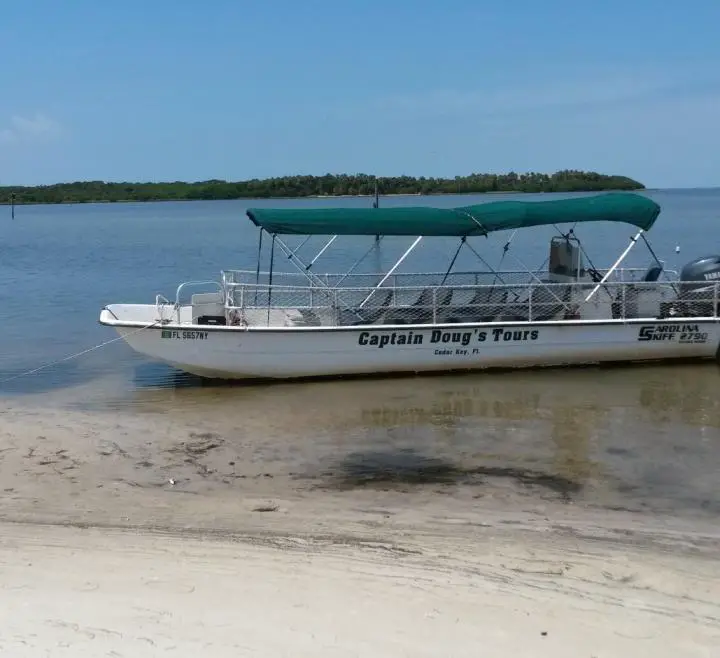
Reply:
x=184, y=335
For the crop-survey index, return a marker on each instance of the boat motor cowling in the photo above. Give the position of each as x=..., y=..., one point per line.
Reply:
x=700, y=272
x=697, y=288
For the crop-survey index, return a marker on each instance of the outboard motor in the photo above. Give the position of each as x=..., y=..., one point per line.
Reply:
x=702, y=271
x=697, y=286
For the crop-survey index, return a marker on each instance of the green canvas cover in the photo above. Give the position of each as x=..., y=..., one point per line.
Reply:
x=479, y=219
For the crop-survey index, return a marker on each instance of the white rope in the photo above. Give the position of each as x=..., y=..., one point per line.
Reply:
x=77, y=354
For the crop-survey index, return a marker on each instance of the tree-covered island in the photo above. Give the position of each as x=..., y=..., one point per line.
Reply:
x=328, y=185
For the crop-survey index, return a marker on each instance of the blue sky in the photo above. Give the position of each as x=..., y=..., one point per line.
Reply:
x=236, y=89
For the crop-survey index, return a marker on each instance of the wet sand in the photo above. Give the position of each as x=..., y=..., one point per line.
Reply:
x=529, y=515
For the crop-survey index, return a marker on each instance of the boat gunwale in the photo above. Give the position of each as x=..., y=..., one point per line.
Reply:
x=158, y=324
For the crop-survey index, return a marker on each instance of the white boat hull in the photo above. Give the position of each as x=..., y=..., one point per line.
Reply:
x=300, y=352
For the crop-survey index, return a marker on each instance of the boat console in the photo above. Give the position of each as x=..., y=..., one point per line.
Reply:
x=565, y=264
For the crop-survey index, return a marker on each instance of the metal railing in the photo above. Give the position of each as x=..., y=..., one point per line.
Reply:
x=282, y=305
x=411, y=279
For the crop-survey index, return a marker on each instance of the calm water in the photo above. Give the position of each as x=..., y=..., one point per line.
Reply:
x=654, y=432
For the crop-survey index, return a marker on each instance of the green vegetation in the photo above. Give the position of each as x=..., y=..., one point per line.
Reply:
x=307, y=186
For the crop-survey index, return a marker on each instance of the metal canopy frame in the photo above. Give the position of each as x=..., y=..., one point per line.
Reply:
x=305, y=268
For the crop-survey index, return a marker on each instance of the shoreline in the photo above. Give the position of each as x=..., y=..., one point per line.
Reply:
x=351, y=196
x=316, y=197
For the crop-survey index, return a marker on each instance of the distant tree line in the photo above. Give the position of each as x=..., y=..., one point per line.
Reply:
x=324, y=186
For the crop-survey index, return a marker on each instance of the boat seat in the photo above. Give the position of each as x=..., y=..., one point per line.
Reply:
x=421, y=310
x=543, y=302
x=372, y=314
x=309, y=318
x=366, y=315
x=634, y=296
x=629, y=296
x=485, y=305
x=653, y=273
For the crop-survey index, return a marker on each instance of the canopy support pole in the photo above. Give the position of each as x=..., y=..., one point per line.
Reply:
x=633, y=242
x=486, y=264
x=300, y=265
x=300, y=246
x=658, y=261
x=452, y=262
x=392, y=269
x=506, y=248
x=270, y=278
x=529, y=271
x=321, y=252
x=548, y=286
x=311, y=276
x=257, y=271
x=375, y=246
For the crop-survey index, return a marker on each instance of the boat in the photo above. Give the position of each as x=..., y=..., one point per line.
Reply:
x=270, y=324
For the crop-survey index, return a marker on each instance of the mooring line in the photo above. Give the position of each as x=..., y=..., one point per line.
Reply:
x=77, y=354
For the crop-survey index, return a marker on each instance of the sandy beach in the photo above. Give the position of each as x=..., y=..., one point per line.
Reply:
x=149, y=534
x=95, y=593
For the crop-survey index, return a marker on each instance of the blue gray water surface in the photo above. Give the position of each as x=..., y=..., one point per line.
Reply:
x=59, y=265
x=659, y=426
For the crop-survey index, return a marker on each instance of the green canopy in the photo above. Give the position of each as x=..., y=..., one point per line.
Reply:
x=479, y=219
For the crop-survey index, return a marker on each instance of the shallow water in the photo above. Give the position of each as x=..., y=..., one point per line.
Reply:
x=644, y=438
x=639, y=438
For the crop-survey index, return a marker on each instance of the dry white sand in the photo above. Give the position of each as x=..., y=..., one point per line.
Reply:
x=72, y=592
x=102, y=556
